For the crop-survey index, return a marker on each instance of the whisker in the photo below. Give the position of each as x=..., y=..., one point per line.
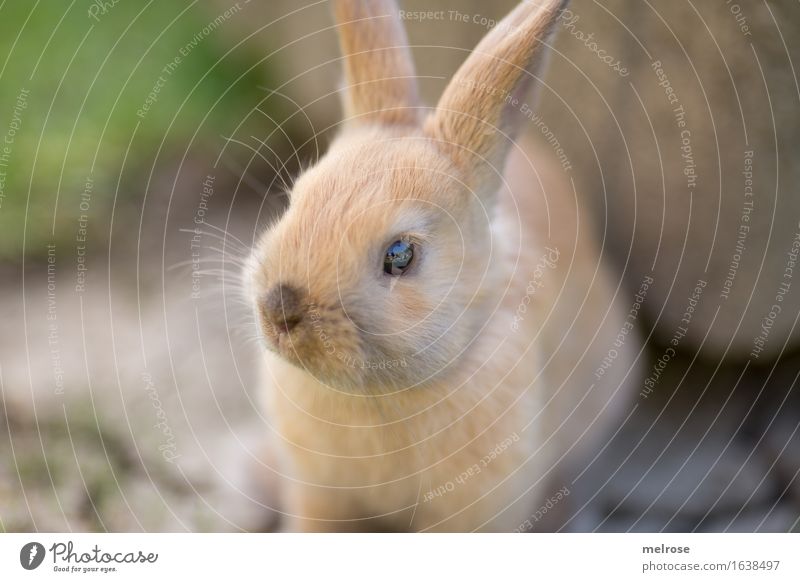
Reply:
x=257, y=152
x=242, y=249
x=229, y=236
x=223, y=260
x=283, y=164
x=263, y=190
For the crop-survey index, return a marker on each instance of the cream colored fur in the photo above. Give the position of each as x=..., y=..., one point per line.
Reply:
x=392, y=390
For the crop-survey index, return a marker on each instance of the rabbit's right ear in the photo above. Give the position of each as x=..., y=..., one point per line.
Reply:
x=381, y=85
x=479, y=112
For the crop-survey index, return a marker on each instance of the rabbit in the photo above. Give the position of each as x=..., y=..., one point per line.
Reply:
x=433, y=309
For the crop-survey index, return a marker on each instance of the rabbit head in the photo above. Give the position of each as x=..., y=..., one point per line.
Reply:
x=382, y=271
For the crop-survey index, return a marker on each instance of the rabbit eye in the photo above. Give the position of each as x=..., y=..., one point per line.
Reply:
x=398, y=257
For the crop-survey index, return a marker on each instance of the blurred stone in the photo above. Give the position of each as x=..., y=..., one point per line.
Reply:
x=684, y=460
x=781, y=518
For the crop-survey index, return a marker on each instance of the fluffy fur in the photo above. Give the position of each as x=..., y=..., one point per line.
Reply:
x=431, y=401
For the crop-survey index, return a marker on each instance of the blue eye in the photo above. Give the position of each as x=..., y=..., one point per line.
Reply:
x=398, y=257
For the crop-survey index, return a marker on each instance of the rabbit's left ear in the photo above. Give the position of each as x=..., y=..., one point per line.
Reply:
x=479, y=112
x=381, y=85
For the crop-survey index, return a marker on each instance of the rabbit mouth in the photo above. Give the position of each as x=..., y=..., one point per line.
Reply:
x=283, y=339
x=332, y=346
x=340, y=361
x=310, y=341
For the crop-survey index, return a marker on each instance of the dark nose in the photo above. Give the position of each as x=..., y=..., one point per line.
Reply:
x=283, y=307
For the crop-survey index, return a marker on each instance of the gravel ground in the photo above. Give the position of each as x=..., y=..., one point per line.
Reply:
x=130, y=405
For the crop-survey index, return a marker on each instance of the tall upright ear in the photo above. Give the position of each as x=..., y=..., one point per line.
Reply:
x=479, y=112
x=381, y=85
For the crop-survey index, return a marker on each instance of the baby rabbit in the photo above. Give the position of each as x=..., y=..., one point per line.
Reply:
x=435, y=310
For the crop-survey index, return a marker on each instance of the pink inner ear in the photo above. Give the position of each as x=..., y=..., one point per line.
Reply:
x=518, y=96
x=526, y=92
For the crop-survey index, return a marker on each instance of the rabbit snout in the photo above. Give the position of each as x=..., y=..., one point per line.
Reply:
x=283, y=307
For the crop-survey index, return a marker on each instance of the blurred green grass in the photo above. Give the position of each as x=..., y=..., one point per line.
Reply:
x=87, y=80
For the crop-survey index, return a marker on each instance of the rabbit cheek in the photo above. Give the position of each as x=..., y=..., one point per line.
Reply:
x=326, y=345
